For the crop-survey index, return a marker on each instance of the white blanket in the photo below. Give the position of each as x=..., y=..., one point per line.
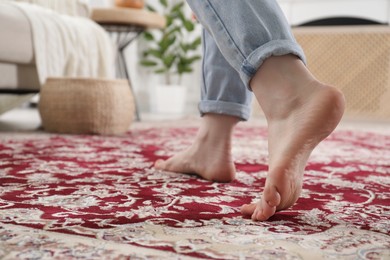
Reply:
x=68, y=46
x=69, y=7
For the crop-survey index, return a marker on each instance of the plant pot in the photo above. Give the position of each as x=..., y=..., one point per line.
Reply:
x=138, y=4
x=169, y=99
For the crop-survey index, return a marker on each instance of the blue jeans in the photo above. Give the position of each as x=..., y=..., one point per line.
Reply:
x=238, y=36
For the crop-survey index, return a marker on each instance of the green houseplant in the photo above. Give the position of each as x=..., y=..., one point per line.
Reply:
x=174, y=49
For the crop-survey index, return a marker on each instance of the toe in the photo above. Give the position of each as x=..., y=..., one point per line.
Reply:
x=262, y=211
x=271, y=196
x=267, y=210
x=268, y=203
x=257, y=214
x=173, y=164
x=248, y=209
x=259, y=211
x=160, y=164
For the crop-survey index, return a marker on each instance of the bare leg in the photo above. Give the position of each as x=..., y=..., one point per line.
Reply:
x=300, y=112
x=210, y=154
x=222, y=90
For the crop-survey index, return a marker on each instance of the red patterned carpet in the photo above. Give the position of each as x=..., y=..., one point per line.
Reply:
x=95, y=197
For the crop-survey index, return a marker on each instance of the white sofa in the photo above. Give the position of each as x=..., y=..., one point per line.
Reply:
x=17, y=68
x=18, y=62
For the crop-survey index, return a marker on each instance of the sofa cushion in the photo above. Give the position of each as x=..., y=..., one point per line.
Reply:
x=16, y=38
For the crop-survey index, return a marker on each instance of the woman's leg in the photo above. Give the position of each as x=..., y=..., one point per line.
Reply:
x=255, y=39
x=223, y=92
x=224, y=102
x=247, y=32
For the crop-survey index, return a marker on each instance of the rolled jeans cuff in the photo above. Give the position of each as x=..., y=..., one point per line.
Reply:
x=273, y=48
x=226, y=108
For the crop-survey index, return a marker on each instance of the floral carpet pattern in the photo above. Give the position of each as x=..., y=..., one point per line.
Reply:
x=99, y=197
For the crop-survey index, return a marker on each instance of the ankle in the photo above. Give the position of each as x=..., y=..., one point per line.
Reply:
x=282, y=74
x=215, y=132
x=283, y=84
x=217, y=126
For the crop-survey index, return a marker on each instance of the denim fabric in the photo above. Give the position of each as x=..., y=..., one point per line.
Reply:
x=246, y=32
x=223, y=92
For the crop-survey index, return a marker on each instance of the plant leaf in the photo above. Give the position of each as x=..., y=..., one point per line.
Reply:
x=177, y=8
x=160, y=71
x=150, y=8
x=148, y=36
x=189, y=25
x=183, y=69
x=168, y=60
x=164, y=3
x=171, y=40
x=148, y=63
x=173, y=30
x=169, y=20
x=168, y=50
x=196, y=43
x=166, y=42
x=184, y=47
x=180, y=14
x=191, y=59
x=153, y=52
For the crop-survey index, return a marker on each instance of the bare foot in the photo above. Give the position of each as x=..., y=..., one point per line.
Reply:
x=210, y=154
x=300, y=112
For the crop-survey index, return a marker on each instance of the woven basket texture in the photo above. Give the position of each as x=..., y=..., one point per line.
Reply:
x=86, y=106
x=356, y=59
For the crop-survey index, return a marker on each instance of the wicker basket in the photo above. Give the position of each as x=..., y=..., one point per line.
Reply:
x=86, y=106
